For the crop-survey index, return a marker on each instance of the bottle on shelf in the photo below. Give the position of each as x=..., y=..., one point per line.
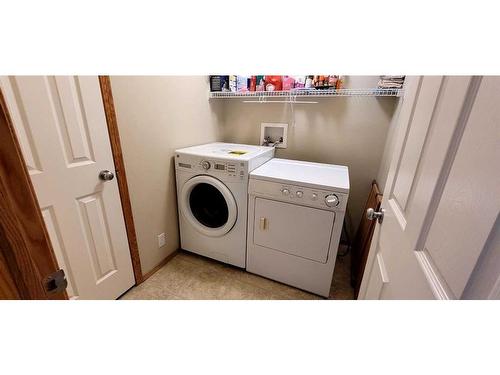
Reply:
x=340, y=83
x=288, y=83
x=261, y=83
x=274, y=83
x=332, y=81
x=242, y=83
x=309, y=82
x=300, y=81
x=252, y=85
x=232, y=83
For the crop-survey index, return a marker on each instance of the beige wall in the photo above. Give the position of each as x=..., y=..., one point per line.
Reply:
x=348, y=131
x=157, y=115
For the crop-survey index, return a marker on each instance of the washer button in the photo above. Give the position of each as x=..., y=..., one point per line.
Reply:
x=299, y=194
x=285, y=191
x=314, y=196
x=205, y=164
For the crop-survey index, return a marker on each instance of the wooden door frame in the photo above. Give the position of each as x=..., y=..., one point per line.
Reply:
x=26, y=253
x=121, y=177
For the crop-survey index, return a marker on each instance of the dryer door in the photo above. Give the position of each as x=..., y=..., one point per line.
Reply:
x=296, y=230
x=208, y=205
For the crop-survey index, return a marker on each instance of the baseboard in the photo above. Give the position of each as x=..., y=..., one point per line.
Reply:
x=159, y=265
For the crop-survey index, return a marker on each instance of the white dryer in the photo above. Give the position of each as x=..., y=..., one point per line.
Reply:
x=295, y=217
x=212, y=198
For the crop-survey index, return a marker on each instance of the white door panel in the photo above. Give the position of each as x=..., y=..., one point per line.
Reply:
x=378, y=278
x=439, y=191
x=422, y=115
x=470, y=198
x=61, y=126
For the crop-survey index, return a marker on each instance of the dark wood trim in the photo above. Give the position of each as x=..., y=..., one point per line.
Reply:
x=8, y=288
x=27, y=256
x=160, y=265
x=363, y=239
x=114, y=137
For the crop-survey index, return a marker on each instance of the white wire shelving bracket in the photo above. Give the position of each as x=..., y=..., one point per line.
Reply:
x=310, y=93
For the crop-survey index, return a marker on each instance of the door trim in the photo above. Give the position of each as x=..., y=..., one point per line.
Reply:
x=26, y=253
x=121, y=177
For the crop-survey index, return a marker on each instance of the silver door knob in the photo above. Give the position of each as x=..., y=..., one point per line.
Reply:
x=371, y=214
x=106, y=175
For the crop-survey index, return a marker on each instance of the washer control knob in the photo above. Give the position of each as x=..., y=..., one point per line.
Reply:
x=299, y=194
x=332, y=200
x=205, y=165
x=314, y=196
x=285, y=191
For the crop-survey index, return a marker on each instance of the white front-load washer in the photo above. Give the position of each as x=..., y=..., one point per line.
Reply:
x=212, y=198
x=295, y=217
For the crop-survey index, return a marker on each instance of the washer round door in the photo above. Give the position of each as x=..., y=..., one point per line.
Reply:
x=208, y=205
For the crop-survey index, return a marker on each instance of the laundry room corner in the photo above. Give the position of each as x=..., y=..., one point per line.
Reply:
x=155, y=116
x=170, y=112
x=350, y=131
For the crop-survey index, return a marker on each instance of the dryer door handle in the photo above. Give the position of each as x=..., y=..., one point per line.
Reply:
x=263, y=223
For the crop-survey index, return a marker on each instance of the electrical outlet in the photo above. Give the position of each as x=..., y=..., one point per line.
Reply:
x=161, y=240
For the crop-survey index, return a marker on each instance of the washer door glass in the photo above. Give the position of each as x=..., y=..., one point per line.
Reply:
x=208, y=205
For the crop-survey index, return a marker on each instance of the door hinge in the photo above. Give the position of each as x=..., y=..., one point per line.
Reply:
x=55, y=282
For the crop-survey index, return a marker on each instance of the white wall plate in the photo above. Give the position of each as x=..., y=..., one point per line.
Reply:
x=275, y=131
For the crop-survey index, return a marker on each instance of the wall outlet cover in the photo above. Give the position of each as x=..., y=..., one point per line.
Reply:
x=161, y=240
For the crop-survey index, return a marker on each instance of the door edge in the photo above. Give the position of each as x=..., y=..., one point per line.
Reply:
x=121, y=177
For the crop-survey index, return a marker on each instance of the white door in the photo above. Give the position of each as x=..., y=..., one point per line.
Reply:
x=61, y=126
x=442, y=196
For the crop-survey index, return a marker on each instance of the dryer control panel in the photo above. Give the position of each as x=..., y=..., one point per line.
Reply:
x=306, y=196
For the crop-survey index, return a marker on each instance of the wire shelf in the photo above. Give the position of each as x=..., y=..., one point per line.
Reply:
x=306, y=93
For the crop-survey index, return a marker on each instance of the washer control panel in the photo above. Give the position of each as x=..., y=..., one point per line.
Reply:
x=298, y=194
x=215, y=167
